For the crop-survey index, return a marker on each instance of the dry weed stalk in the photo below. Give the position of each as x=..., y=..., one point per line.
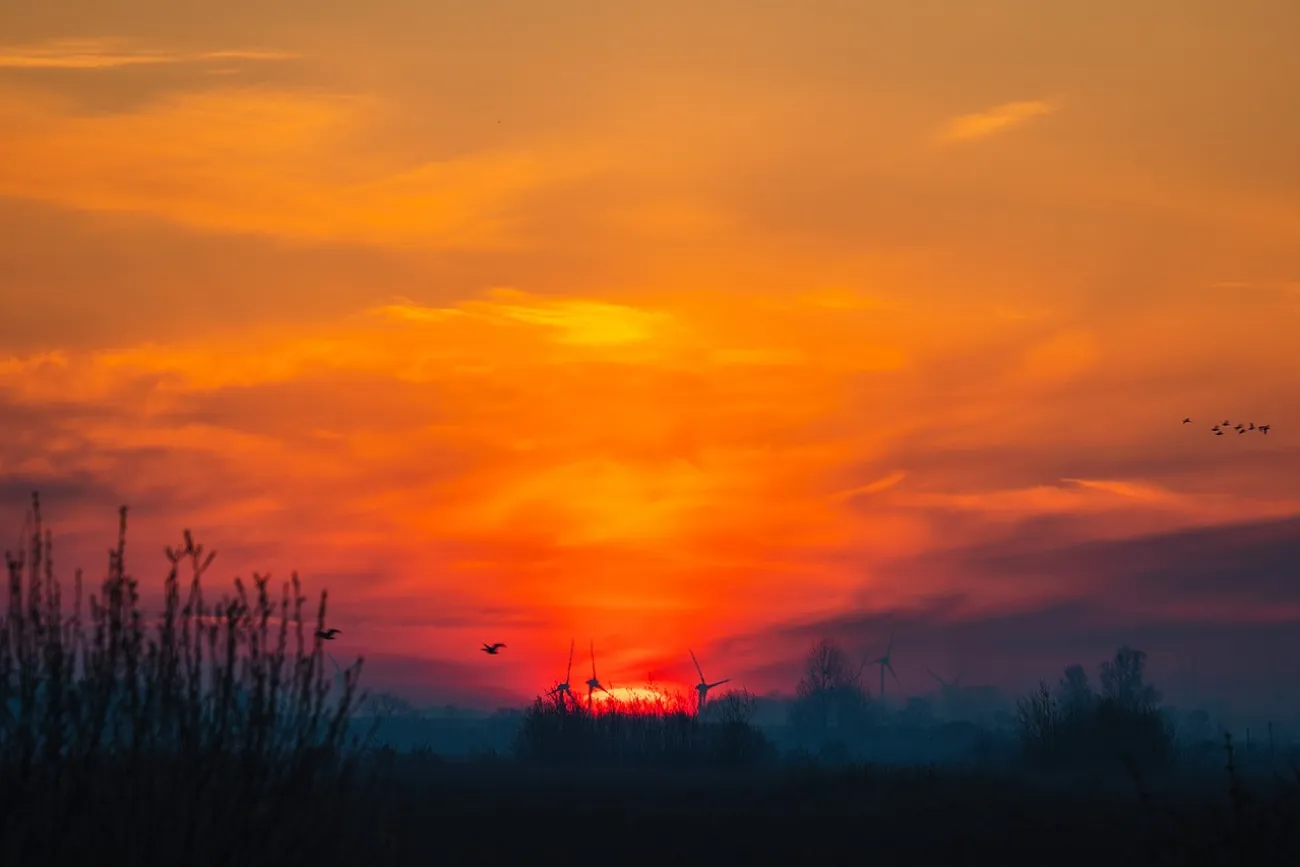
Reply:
x=210, y=714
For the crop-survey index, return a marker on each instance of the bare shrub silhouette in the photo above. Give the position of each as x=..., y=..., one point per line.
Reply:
x=829, y=695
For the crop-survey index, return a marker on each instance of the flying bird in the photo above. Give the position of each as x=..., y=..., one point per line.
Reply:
x=492, y=649
x=1218, y=433
x=327, y=634
x=1264, y=429
x=1187, y=421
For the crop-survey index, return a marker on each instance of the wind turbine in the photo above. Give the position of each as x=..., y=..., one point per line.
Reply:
x=884, y=663
x=949, y=692
x=562, y=689
x=945, y=685
x=594, y=683
x=702, y=688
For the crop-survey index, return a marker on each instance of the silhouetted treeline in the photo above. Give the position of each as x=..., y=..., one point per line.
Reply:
x=1077, y=727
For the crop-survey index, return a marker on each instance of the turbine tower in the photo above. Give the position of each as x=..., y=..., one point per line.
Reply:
x=562, y=690
x=702, y=688
x=884, y=663
x=949, y=691
x=594, y=683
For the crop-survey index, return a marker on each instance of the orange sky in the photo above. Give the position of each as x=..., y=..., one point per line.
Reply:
x=656, y=324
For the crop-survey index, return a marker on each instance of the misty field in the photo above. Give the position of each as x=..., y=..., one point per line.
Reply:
x=211, y=733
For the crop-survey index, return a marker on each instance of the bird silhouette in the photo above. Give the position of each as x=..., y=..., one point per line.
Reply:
x=492, y=649
x=1226, y=422
x=1218, y=433
x=327, y=634
x=1251, y=426
x=1241, y=430
x=1215, y=428
x=1187, y=421
x=1264, y=429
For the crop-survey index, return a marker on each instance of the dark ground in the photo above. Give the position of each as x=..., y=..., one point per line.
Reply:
x=496, y=813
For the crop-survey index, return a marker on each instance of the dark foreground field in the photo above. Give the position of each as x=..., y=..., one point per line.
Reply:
x=413, y=809
x=504, y=814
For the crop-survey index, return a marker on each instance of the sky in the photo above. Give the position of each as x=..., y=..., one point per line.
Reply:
x=719, y=325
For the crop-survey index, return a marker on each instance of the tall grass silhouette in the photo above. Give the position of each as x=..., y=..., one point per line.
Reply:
x=156, y=738
x=662, y=732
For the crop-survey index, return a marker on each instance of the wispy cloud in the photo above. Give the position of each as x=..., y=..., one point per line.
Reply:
x=286, y=164
x=571, y=321
x=114, y=53
x=1000, y=118
x=884, y=484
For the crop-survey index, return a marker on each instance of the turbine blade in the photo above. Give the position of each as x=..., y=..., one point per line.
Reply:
x=720, y=683
x=593, y=658
x=568, y=671
x=894, y=673
x=697, y=665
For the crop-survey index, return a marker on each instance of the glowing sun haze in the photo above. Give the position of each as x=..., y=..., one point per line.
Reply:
x=722, y=325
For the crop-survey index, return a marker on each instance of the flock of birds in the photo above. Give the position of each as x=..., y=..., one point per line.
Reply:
x=1223, y=427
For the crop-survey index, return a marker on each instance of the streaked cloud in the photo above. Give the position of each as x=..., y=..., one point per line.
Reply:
x=114, y=53
x=999, y=119
x=877, y=486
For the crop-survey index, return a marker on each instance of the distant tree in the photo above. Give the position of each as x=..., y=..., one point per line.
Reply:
x=1076, y=697
x=388, y=705
x=1037, y=721
x=829, y=688
x=1077, y=727
x=1122, y=681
